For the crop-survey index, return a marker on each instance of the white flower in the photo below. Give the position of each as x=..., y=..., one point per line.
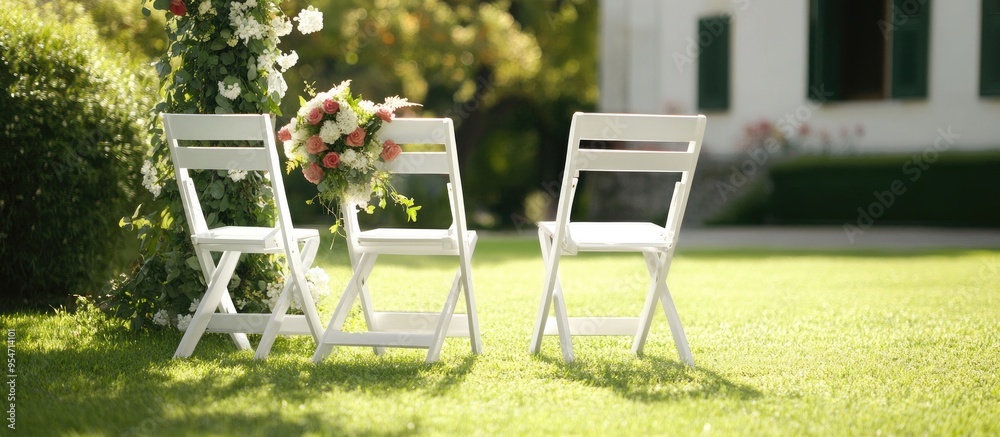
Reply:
x=230, y=92
x=237, y=175
x=162, y=318
x=310, y=20
x=354, y=159
x=395, y=102
x=183, y=322
x=319, y=282
x=295, y=153
x=266, y=58
x=329, y=132
x=287, y=61
x=276, y=84
x=149, y=178
x=347, y=119
x=205, y=8
x=316, y=102
x=368, y=106
x=359, y=194
x=341, y=90
x=281, y=26
x=245, y=25
x=273, y=293
x=194, y=305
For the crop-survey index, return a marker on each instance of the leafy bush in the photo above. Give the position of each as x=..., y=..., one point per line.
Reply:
x=73, y=133
x=949, y=189
x=210, y=65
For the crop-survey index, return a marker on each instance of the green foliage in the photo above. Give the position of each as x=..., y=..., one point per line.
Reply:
x=203, y=54
x=73, y=130
x=927, y=188
x=503, y=70
x=118, y=25
x=786, y=343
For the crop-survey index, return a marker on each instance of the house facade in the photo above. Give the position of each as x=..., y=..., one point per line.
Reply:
x=868, y=76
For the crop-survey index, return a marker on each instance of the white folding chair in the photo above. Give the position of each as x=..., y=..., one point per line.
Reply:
x=656, y=243
x=232, y=241
x=410, y=329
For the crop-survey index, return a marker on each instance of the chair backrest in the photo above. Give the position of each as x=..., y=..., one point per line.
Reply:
x=222, y=129
x=633, y=128
x=428, y=131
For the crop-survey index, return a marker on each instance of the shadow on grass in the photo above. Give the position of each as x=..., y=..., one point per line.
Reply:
x=650, y=379
x=110, y=380
x=388, y=374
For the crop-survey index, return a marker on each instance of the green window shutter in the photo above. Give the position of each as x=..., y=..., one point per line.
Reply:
x=910, y=34
x=713, y=63
x=989, y=56
x=824, y=50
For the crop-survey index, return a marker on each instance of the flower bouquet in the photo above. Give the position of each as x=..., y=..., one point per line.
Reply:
x=334, y=139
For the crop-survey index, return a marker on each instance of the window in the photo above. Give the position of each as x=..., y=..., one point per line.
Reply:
x=989, y=56
x=713, y=63
x=868, y=49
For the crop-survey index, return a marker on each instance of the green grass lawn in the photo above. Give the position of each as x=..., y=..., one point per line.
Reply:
x=785, y=343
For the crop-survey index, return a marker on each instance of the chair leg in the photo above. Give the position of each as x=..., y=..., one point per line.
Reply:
x=545, y=241
x=295, y=287
x=680, y=339
x=368, y=308
x=309, y=250
x=434, y=351
x=275, y=320
x=239, y=338
x=213, y=295
x=226, y=305
x=562, y=322
x=655, y=265
x=351, y=292
x=475, y=340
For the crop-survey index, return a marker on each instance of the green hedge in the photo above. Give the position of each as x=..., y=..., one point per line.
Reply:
x=73, y=138
x=923, y=188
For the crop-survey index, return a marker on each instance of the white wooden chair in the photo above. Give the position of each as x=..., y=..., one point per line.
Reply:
x=656, y=243
x=410, y=329
x=232, y=241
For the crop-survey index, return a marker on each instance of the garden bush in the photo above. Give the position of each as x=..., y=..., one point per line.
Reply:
x=73, y=139
x=940, y=189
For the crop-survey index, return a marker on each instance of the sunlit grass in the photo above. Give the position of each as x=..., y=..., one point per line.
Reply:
x=784, y=342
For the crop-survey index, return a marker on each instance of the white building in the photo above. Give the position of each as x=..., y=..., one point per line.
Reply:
x=904, y=70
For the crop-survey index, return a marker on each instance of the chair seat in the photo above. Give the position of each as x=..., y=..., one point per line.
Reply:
x=383, y=240
x=251, y=238
x=612, y=236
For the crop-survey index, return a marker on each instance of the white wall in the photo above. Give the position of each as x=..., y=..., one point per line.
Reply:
x=643, y=40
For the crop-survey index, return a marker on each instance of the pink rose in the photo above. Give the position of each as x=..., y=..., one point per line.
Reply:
x=356, y=138
x=313, y=173
x=330, y=106
x=385, y=114
x=284, y=134
x=331, y=160
x=315, y=116
x=177, y=7
x=314, y=145
x=390, y=150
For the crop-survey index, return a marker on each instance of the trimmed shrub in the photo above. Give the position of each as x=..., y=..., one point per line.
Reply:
x=73, y=139
x=939, y=189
